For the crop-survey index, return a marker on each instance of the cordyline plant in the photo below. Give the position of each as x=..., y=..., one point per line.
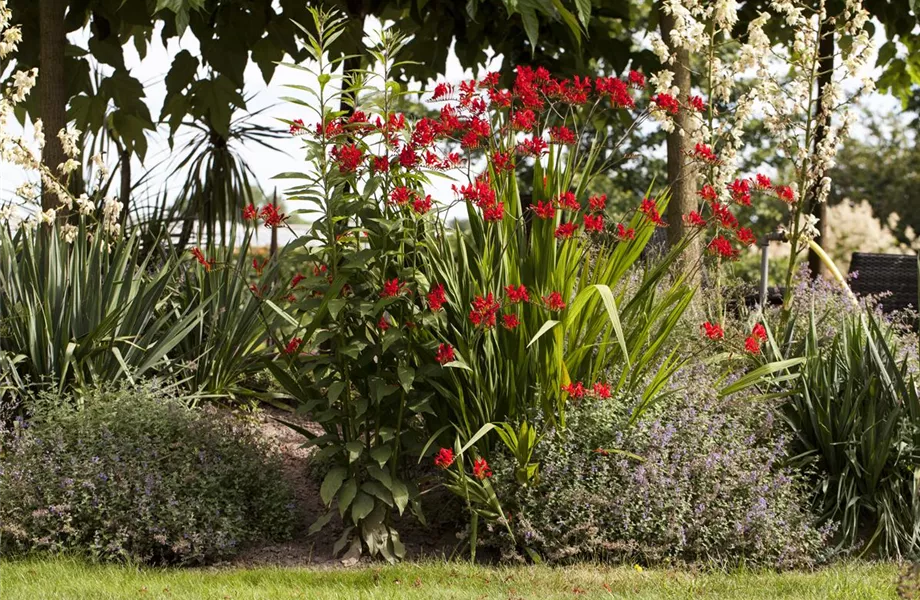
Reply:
x=402, y=331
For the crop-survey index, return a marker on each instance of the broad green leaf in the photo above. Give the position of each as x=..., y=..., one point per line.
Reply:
x=331, y=484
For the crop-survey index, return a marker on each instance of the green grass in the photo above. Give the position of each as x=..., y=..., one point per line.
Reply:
x=53, y=579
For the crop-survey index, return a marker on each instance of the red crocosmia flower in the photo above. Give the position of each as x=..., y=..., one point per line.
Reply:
x=561, y=135
x=319, y=270
x=752, y=345
x=618, y=91
x=445, y=354
x=383, y=324
x=704, y=153
x=694, y=219
x=785, y=193
x=713, y=331
x=297, y=127
x=602, y=390
x=502, y=161
x=490, y=80
x=293, y=346
x=746, y=236
x=484, y=311
x=696, y=103
x=517, y=294
x=510, y=322
x=597, y=203
x=331, y=130
x=650, y=210
x=636, y=79
x=259, y=267
x=566, y=231
x=408, y=158
x=422, y=205
x=442, y=91
x=444, y=459
x=437, y=297
x=348, y=157
x=297, y=279
x=479, y=192
x=271, y=216
x=523, y=120
x=391, y=288
x=567, y=201
x=741, y=191
x=426, y=130
x=667, y=103
x=500, y=98
x=250, y=213
x=255, y=290
x=534, y=146
x=575, y=390
x=759, y=331
x=720, y=246
x=493, y=213
x=594, y=223
x=722, y=214
x=291, y=298
x=624, y=234
x=401, y=195
x=380, y=164
x=762, y=182
x=708, y=193
x=554, y=301
x=204, y=262
x=544, y=210
x=481, y=469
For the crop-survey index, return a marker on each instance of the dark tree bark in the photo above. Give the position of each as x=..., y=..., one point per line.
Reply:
x=826, y=48
x=681, y=174
x=52, y=87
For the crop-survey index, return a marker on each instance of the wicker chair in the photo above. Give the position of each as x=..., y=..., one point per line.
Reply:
x=893, y=276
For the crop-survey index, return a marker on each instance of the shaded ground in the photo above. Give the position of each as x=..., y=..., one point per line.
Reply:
x=442, y=510
x=66, y=579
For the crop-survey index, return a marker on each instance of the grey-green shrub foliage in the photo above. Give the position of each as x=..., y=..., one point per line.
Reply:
x=131, y=474
x=696, y=481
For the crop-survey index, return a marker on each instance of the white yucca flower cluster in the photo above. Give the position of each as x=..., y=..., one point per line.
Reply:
x=19, y=151
x=769, y=82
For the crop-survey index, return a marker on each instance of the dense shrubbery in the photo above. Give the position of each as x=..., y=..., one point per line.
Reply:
x=697, y=481
x=132, y=474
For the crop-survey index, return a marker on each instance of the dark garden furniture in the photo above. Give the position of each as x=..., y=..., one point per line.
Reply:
x=891, y=277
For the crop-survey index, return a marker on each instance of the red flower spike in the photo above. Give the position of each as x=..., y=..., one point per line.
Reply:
x=650, y=210
x=720, y=246
x=437, y=298
x=762, y=182
x=481, y=469
x=348, y=157
x=575, y=390
x=597, y=203
x=785, y=193
x=713, y=331
x=297, y=279
x=383, y=324
x=517, y=294
x=694, y=220
x=602, y=390
x=422, y=205
x=204, y=262
x=523, y=120
x=704, y=153
x=535, y=146
x=444, y=459
x=493, y=213
x=752, y=345
x=594, y=223
x=502, y=161
x=746, y=236
x=565, y=231
x=667, y=103
x=554, y=301
x=484, y=311
x=708, y=193
x=442, y=91
x=445, y=354
x=269, y=213
x=510, y=322
x=696, y=103
x=401, y=195
x=636, y=79
x=297, y=127
x=250, y=213
x=740, y=190
x=293, y=346
x=759, y=331
x=567, y=201
x=624, y=234
x=391, y=288
x=561, y=135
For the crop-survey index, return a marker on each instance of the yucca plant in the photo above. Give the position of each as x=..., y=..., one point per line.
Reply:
x=89, y=308
x=855, y=414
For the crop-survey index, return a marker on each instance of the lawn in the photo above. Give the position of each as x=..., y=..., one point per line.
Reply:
x=67, y=578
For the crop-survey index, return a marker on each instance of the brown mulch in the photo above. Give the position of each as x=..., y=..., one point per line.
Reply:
x=438, y=539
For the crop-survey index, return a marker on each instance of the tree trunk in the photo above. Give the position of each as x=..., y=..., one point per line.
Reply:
x=826, y=49
x=52, y=87
x=681, y=174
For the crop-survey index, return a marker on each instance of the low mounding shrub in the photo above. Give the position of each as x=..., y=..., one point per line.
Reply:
x=698, y=482
x=131, y=474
